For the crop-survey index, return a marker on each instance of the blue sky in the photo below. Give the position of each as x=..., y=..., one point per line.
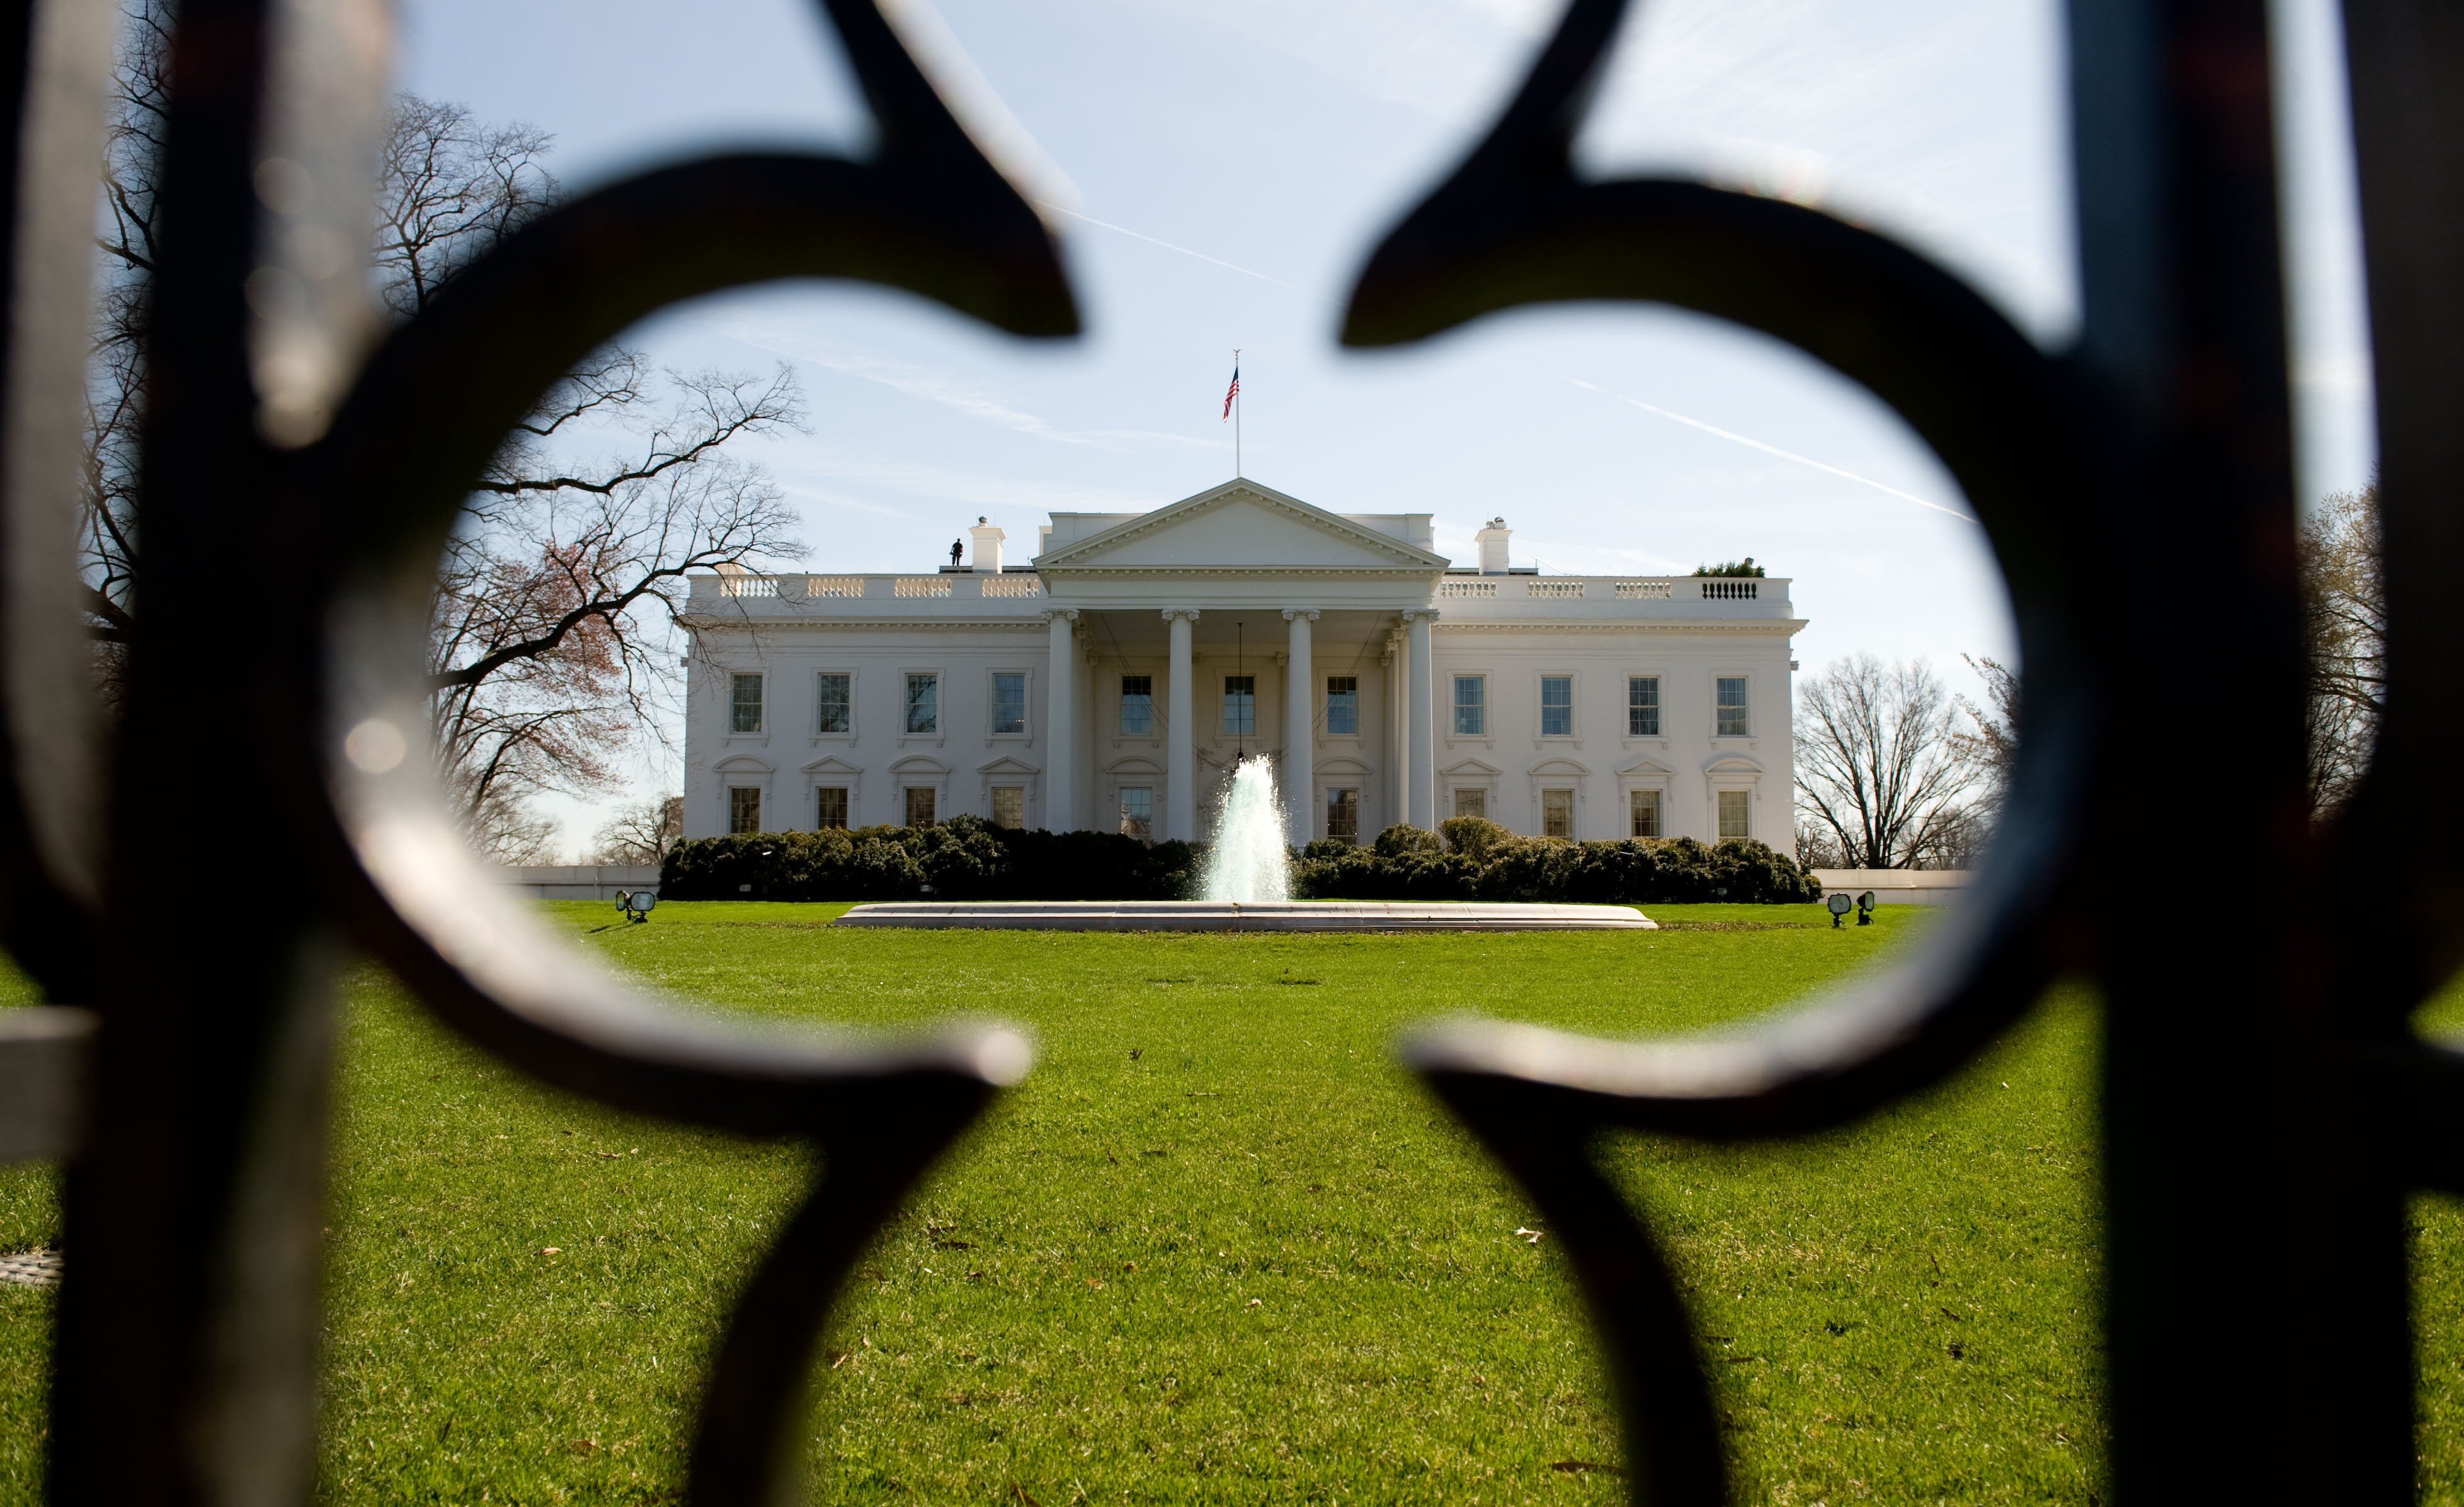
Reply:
x=1271, y=141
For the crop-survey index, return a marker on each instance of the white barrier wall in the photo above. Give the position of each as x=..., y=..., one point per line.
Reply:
x=1895, y=886
x=581, y=881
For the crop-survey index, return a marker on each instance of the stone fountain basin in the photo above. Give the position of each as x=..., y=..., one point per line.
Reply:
x=1221, y=915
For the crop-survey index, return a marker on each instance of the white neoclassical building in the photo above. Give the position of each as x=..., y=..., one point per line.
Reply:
x=1114, y=681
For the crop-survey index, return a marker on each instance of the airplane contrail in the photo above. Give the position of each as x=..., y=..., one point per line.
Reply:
x=1185, y=251
x=1773, y=449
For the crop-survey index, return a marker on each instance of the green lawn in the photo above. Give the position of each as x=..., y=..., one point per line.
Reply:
x=1217, y=1248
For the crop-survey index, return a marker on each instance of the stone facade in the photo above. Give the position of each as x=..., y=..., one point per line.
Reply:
x=1113, y=682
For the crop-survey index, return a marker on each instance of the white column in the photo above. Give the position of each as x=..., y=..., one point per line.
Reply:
x=1300, y=731
x=1180, y=732
x=1419, y=731
x=1398, y=785
x=1061, y=725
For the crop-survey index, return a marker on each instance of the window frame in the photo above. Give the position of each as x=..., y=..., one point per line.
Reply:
x=1121, y=712
x=846, y=807
x=1328, y=805
x=733, y=805
x=1568, y=803
x=760, y=679
x=1224, y=716
x=994, y=801
x=1718, y=813
x=1025, y=731
x=906, y=708
x=906, y=795
x=1747, y=711
x=1327, y=693
x=1146, y=823
x=1454, y=799
x=1659, y=803
x=847, y=733
x=1540, y=725
x=1659, y=728
x=1455, y=704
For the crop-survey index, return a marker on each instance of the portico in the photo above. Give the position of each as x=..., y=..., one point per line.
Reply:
x=1243, y=591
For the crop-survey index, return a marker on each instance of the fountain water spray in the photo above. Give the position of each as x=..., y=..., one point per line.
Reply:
x=1248, y=865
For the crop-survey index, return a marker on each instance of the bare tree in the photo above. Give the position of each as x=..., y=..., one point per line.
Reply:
x=1878, y=769
x=2343, y=606
x=1991, y=740
x=552, y=641
x=642, y=832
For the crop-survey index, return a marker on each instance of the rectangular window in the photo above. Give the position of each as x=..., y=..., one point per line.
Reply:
x=1734, y=822
x=744, y=704
x=1731, y=697
x=1556, y=813
x=1137, y=706
x=1009, y=703
x=923, y=704
x=1343, y=706
x=1343, y=815
x=1009, y=806
x=1556, y=706
x=1240, y=704
x=1471, y=803
x=743, y=808
x=1471, y=707
x=1138, y=812
x=919, y=805
x=829, y=808
x=1642, y=814
x=1643, y=705
x=833, y=703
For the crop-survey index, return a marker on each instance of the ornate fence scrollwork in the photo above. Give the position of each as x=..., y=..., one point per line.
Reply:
x=2260, y=1088
x=193, y=1204
x=2266, y=1107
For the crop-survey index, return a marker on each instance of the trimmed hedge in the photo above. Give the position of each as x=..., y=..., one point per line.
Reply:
x=965, y=858
x=1478, y=860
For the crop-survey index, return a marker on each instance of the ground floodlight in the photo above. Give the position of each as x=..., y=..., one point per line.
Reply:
x=1838, y=903
x=637, y=906
x=1866, y=908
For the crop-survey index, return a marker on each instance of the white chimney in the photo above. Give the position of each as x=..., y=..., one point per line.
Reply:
x=988, y=542
x=1492, y=547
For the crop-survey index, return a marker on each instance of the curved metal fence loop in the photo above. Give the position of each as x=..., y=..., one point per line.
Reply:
x=217, y=1366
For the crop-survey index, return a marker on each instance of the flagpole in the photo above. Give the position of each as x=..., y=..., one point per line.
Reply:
x=1236, y=415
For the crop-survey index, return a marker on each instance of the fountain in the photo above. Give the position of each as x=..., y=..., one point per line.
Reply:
x=1246, y=888
x=1250, y=865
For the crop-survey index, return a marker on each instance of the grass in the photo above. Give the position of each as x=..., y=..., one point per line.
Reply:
x=1248, y=1263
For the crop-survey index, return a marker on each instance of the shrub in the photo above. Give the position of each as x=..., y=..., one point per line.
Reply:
x=965, y=858
x=1638, y=871
x=968, y=857
x=1473, y=836
x=1404, y=837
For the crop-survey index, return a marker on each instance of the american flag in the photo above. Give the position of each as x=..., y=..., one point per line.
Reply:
x=1232, y=392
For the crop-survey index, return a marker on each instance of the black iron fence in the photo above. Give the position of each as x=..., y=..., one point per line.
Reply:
x=2266, y=1109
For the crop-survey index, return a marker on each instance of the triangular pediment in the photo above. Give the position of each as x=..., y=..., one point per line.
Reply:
x=1005, y=765
x=1470, y=768
x=1241, y=526
x=833, y=764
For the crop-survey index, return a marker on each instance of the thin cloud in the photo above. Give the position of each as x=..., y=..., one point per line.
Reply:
x=956, y=393
x=977, y=491
x=1140, y=235
x=1751, y=443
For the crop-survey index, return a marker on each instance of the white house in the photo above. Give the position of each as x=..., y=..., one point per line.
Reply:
x=1114, y=682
